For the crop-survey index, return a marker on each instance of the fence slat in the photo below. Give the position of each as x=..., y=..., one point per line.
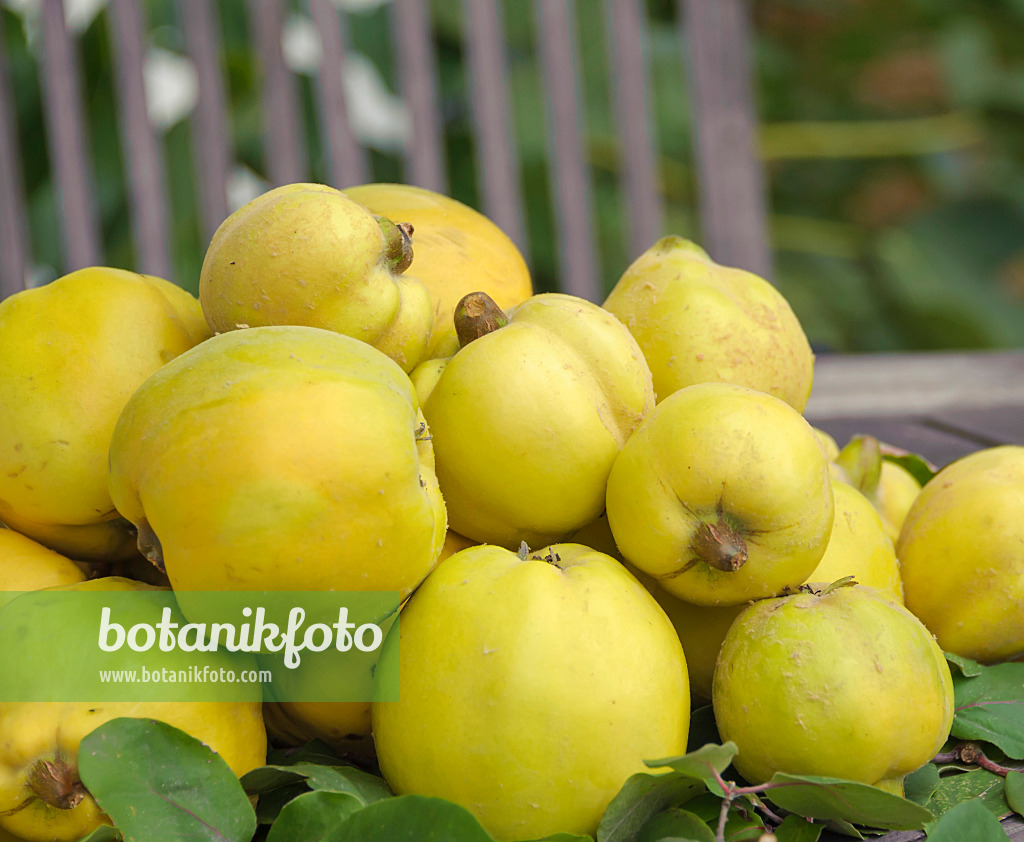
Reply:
x=568, y=157
x=211, y=146
x=497, y=161
x=285, y=158
x=67, y=140
x=732, y=192
x=144, y=163
x=346, y=160
x=640, y=179
x=13, y=229
x=417, y=69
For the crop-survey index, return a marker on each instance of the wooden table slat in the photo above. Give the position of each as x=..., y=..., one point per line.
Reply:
x=567, y=161
x=66, y=139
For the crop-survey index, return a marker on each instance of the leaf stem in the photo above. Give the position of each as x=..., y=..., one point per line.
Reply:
x=973, y=755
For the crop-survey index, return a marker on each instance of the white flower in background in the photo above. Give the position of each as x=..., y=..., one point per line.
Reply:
x=78, y=14
x=244, y=186
x=172, y=87
x=301, y=45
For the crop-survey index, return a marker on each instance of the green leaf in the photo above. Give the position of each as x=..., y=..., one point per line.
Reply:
x=411, y=818
x=313, y=816
x=364, y=786
x=917, y=466
x=990, y=707
x=676, y=824
x=701, y=764
x=271, y=802
x=106, y=833
x=834, y=798
x=565, y=837
x=641, y=797
x=969, y=820
x=921, y=784
x=968, y=667
x=158, y=783
x=979, y=784
x=1014, y=786
x=797, y=829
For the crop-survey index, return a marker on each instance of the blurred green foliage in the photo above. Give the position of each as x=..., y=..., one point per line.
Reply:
x=892, y=132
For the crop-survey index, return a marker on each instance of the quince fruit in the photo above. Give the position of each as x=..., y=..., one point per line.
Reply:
x=458, y=251
x=26, y=565
x=841, y=682
x=280, y=458
x=889, y=486
x=561, y=672
x=74, y=351
x=722, y=495
x=961, y=554
x=528, y=417
x=41, y=796
x=306, y=254
x=699, y=322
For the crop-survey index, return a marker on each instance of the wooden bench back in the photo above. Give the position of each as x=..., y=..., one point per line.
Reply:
x=714, y=34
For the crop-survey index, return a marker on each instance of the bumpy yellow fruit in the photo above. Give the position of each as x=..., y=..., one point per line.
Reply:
x=53, y=805
x=457, y=251
x=26, y=565
x=722, y=495
x=559, y=676
x=961, y=555
x=841, y=683
x=897, y=491
x=527, y=419
x=280, y=458
x=73, y=352
x=699, y=322
x=306, y=254
x=859, y=546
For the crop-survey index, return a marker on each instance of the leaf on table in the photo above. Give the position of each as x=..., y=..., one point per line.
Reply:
x=313, y=816
x=1014, y=789
x=798, y=829
x=834, y=798
x=642, y=796
x=158, y=783
x=701, y=764
x=978, y=784
x=411, y=818
x=364, y=786
x=967, y=821
x=920, y=785
x=990, y=707
x=676, y=824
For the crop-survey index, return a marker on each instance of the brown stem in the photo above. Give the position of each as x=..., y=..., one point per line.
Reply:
x=720, y=546
x=56, y=782
x=397, y=243
x=973, y=755
x=475, y=315
x=149, y=545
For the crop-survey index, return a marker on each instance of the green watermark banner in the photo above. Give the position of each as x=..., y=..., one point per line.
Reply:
x=84, y=644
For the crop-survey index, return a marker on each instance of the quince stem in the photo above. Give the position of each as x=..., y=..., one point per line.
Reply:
x=397, y=243
x=476, y=315
x=149, y=545
x=56, y=782
x=719, y=545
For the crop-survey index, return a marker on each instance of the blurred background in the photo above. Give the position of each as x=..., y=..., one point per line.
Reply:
x=892, y=132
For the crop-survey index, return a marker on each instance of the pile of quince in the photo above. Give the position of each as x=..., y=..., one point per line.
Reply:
x=597, y=517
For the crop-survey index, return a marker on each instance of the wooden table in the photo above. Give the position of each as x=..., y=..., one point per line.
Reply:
x=939, y=405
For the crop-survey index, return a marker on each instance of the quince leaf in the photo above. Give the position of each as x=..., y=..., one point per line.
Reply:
x=410, y=818
x=798, y=829
x=673, y=825
x=700, y=763
x=990, y=707
x=818, y=797
x=969, y=668
x=157, y=783
x=1015, y=792
x=312, y=816
x=364, y=786
x=917, y=466
x=978, y=784
x=969, y=820
x=105, y=833
x=920, y=785
x=642, y=796
x=565, y=837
